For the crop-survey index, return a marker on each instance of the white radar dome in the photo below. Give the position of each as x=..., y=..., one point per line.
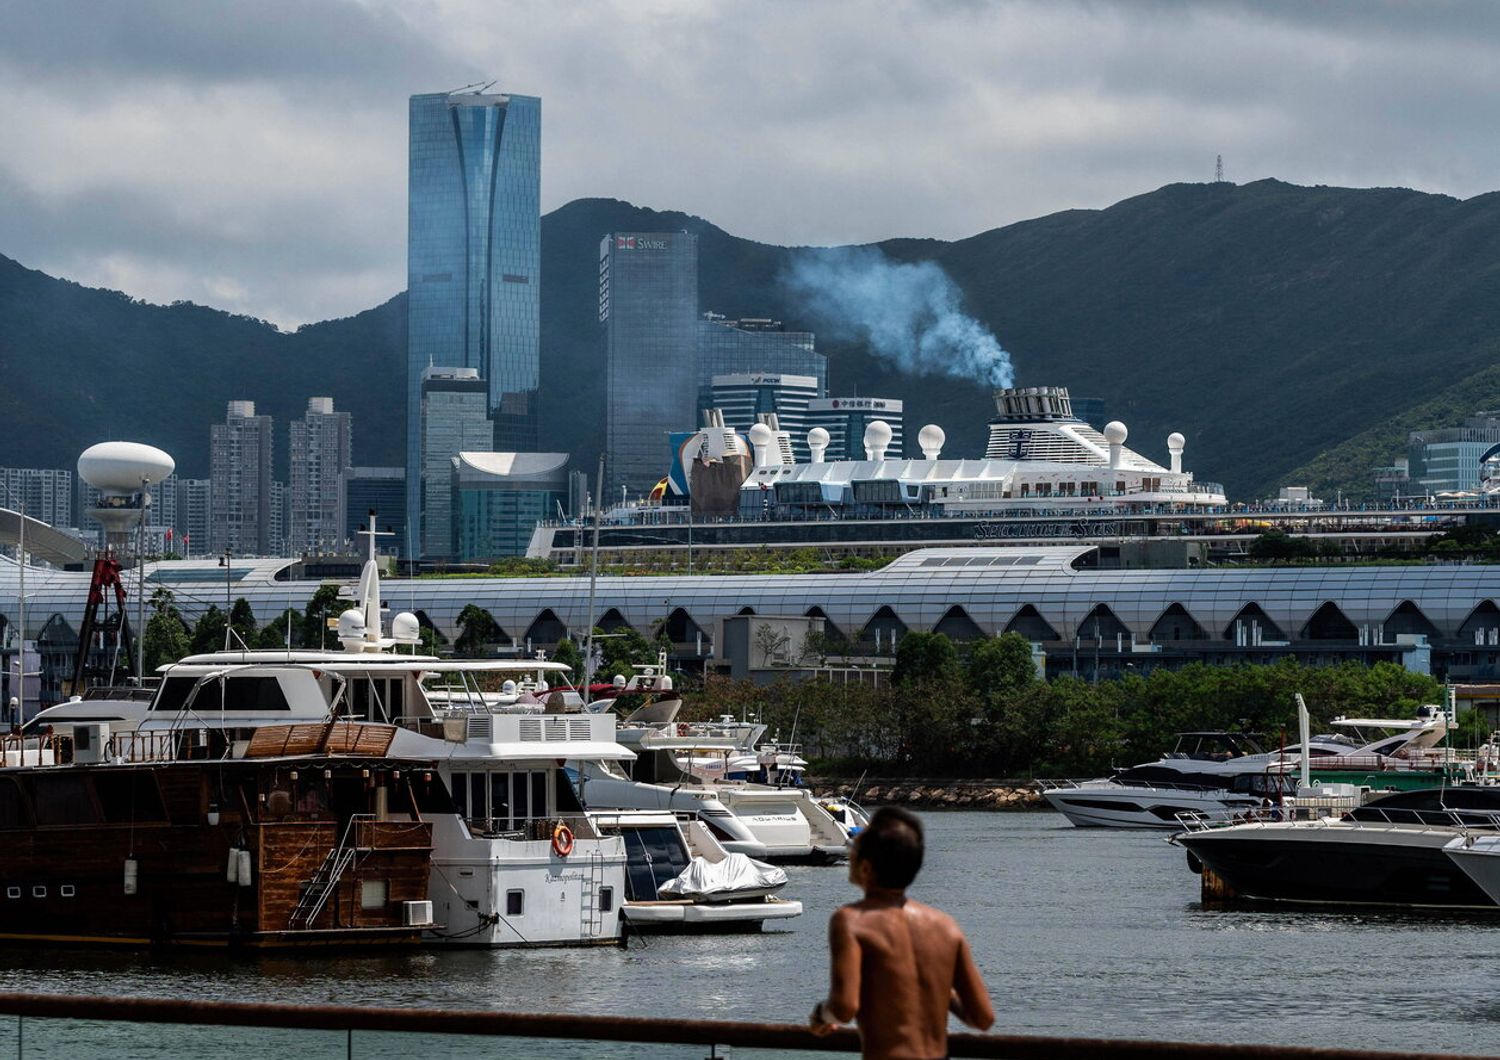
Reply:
x=760, y=434
x=878, y=434
x=406, y=629
x=1176, y=441
x=818, y=437
x=121, y=467
x=1115, y=432
x=931, y=439
x=351, y=625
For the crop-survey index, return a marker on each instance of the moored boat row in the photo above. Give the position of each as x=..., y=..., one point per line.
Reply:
x=369, y=795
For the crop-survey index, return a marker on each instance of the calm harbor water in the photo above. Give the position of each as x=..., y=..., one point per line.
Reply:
x=1090, y=933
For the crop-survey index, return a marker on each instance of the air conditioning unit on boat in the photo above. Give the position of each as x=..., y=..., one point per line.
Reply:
x=416, y=914
x=91, y=742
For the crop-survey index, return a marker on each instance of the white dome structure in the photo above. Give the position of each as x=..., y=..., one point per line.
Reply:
x=877, y=437
x=1176, y=443
x=762, y=438
x=120, y=471
x=931, y=439
x=123, y=467
x=817, y=443
x=1115, y=434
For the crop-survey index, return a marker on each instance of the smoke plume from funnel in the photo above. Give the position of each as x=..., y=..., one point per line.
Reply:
x=910, y=313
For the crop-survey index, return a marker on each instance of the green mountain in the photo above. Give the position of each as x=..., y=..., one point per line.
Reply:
x=1291, y=333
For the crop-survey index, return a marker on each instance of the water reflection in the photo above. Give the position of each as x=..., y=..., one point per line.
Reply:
x=1091, y=933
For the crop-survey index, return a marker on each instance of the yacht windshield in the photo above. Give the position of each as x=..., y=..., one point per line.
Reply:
x=653, y=856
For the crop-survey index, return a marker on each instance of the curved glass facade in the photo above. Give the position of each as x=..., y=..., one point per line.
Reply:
x=474, y=257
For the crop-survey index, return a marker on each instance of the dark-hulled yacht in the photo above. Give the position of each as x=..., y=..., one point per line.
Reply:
x=1388, y=852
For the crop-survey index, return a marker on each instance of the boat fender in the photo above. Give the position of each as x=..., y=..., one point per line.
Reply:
x=562, y=840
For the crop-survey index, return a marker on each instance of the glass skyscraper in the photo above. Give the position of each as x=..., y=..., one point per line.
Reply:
x=754, y=347
x=452, y=421
x=648, y=306
x=474, y=258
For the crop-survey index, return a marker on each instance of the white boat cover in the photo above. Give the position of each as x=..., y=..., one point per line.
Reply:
x=736, y=874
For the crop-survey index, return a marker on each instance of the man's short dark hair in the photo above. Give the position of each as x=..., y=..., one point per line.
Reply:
x=892, y=844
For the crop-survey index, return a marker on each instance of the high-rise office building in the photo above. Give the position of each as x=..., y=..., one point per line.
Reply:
x=755, y=347
x=321, y=449
x=453, y=420
x=845, y=420
x=240, y=451
x=381, y=490
x=648, y=307
x=194, y=504
x=743, y=399
x=474, y=258
x=45, y=493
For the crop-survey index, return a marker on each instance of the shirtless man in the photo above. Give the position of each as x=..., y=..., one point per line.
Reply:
x=899, y=966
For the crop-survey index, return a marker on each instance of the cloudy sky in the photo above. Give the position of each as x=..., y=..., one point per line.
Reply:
x=251, y=154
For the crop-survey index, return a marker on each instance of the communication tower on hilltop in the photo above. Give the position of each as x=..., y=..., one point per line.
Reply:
x=1218, y=169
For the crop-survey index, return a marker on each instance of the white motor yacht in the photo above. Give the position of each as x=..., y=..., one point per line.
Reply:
x=515, y=860
x=680, y=878
x=760, y=821
x=1218, y=774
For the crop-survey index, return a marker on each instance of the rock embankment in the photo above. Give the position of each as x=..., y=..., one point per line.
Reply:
x=939, y=794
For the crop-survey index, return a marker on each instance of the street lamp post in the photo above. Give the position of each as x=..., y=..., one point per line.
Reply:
x=140, y=608
x=20, y=695
x=224, y=562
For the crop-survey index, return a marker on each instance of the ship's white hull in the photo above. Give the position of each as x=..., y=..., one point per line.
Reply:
x=572, y=901
x=1104, y=804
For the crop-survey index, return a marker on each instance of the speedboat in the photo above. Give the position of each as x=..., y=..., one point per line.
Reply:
x=1392, y=851
x=680, y=878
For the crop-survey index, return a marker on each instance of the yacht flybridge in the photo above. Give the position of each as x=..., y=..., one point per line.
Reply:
x=514, y=859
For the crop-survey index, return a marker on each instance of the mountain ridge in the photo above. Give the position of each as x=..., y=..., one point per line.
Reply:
x=1272, y=323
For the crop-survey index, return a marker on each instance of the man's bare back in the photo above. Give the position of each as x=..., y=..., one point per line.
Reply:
x=899, y=967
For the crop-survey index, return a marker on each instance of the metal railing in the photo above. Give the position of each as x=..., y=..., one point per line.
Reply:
x=48, y=749
x=657, y=1032
x=1315, y=812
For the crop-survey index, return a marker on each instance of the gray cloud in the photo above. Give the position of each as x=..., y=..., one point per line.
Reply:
x=251, y=154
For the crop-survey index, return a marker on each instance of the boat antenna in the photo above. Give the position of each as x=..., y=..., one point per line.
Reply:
x=792, y=740
x=1304, y=724
x=588, y=651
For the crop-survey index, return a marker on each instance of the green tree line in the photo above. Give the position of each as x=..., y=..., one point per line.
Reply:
x=984, y=712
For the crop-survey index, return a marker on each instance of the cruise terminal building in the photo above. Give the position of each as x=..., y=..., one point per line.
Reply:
x=1087, y=615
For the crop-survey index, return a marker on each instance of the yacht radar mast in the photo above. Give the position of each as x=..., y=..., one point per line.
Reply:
x=359, y=628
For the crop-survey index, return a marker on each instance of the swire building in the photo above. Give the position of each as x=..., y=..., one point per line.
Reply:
x=648, y=314
x=474, y=261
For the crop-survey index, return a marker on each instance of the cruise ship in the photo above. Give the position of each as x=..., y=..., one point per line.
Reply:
x=1045, y=473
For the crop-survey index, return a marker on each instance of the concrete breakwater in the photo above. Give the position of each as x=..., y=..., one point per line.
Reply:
x=937, y=793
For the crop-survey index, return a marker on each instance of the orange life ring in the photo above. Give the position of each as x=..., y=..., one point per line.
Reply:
x=562, y=840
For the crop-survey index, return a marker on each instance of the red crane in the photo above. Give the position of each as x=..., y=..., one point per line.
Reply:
x=106, y=576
